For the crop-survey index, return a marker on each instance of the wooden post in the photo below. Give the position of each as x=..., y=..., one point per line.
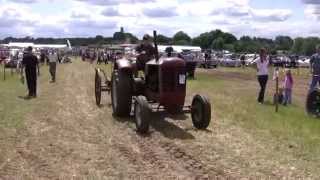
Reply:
x=277, y=89
x=4, y=72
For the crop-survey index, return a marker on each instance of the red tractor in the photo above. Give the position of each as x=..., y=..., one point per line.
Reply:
x=162, y=87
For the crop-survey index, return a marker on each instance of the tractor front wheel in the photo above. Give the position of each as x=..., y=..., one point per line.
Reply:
x=313, y=103
x=200, y=112
x=142, y=114
x=121, y=93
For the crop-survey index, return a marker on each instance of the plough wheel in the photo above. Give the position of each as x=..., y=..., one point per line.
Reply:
x=98, y=88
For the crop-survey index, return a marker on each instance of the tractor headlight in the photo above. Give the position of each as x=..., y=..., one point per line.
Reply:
x=182, y=79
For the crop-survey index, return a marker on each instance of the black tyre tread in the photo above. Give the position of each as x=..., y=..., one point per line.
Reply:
x=146, y=115
x=309, y=102
x=98, y=91
x=124, y=93
x=206, y=118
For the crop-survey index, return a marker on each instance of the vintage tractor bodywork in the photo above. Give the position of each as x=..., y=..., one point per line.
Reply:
x=161, y=87
x=166, y=82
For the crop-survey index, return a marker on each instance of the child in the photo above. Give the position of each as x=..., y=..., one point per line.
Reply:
x=287, y=85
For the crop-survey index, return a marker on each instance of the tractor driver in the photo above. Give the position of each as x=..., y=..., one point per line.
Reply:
x=146, y=52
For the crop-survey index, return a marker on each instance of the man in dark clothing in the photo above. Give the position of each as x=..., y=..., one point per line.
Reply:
x=315, y=69
x=243, y=60
x=169, y=51
x=42, y=57
x=31, y=64
x=146, y=52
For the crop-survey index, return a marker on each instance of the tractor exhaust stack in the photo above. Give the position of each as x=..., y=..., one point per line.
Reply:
x=156, y=45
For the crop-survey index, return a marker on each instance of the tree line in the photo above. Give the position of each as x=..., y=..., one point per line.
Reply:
x=216, y=40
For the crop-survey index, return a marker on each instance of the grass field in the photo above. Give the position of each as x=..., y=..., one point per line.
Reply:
x=233, y=93
x=12, y=107
x=245, y=139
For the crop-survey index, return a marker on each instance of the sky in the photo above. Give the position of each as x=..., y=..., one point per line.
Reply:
x=84, y=18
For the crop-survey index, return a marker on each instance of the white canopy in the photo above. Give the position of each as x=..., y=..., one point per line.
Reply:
x=179, y=49
x=25, y=45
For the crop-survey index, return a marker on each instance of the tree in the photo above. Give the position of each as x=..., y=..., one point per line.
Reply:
x=164, y=39
x=229, y=47
x=119, y=36
x=203, y=41
x=182, y=43
x=99, y=38
x=229, y=38
x=130, y=38
x=297, y=46
x=283, y=43
x=181, y=38
x=218, y=44
x=309, y=45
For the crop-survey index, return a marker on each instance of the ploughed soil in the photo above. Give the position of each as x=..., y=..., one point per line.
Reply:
x=68, y=137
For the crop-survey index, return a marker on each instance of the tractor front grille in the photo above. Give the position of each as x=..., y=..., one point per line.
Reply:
x=170, y=80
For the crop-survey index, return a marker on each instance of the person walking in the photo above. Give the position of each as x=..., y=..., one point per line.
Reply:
x=315, y=69
x=287, y=86
x=30, y=64
x=262, y=73
x=53, y=58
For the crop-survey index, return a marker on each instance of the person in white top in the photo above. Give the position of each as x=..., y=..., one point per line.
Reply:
x=53, y=58
x=262, y=72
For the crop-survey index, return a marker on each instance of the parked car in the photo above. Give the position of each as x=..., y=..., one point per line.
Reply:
x=212, y=61
x=304, y=62
x=231, y=60
x=191, y=62
x=250, y=59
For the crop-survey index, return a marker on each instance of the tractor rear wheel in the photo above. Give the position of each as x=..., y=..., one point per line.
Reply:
x=98, y=88
x=142, y=114
x=313, y=103
x=200, y=112
x=121, y=93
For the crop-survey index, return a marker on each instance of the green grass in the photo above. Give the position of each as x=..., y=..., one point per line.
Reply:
x=13, y=107
x=234, y=101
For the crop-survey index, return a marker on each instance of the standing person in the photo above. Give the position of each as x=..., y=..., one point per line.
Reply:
x=207, y=58
x=243, y=60
x=315, y=69
x=262, y=73
x=287, y=85
x=53, y=57
x=30, y=63
x=42, y=57
x=169, y=51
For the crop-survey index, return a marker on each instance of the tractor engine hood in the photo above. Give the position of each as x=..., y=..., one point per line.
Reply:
x=172, y=62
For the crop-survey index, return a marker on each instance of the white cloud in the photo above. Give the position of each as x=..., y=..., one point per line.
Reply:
x=92, y=17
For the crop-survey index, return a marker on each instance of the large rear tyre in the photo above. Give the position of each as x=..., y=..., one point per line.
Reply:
x=98, y=88
x=121, y=93
x=200, y=112
x=142, y=114
x=313, y=103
